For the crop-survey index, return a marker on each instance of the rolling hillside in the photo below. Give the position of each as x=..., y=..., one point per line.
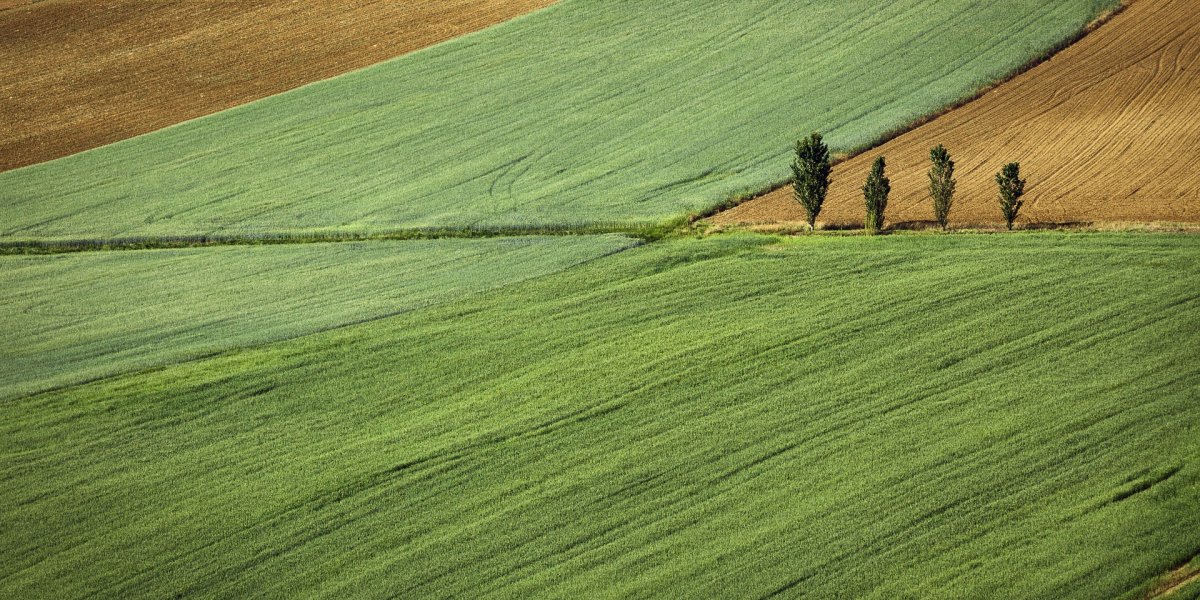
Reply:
x=1107, y=130
x=664, y=412
x=77, y=74
x=905, y=416
x=582, y=113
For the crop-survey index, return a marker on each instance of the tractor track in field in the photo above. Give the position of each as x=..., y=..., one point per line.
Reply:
x=1105, y=131
x=78, y=74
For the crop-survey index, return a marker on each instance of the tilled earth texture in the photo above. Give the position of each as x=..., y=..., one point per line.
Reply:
x=77, y=74
x=1106, y=131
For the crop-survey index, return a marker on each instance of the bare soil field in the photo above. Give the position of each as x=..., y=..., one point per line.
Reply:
x=77, y=74
x=1108, y=130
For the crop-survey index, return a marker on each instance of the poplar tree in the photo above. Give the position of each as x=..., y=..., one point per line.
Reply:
x=875, y=192
x=941, y=184
x=810, y=171
x=1012, y=187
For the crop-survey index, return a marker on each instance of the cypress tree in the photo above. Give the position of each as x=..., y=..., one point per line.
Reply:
x=810, y=171
x=941, y=184
x=875, y=192
x=1012, y=187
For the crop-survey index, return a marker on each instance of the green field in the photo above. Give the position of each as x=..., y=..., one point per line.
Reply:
x=903, y=416
x=914, y=415
x=625, y=111
x=75, y=317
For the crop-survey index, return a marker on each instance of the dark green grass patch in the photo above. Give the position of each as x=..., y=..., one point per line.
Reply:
x=904, y=416
x=71, y=318
x=587, y=112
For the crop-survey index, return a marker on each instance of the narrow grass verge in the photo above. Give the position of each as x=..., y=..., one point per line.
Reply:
x=646, y=232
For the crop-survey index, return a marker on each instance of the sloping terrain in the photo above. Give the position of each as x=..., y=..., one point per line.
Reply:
x=77, y=74
x=893, y=417
x=582, y=113
x=739, y=415
x=71, y=318
x=1107, y=130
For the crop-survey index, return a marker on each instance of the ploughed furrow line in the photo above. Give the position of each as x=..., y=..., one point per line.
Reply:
x=1107, y=130
x=77, y=74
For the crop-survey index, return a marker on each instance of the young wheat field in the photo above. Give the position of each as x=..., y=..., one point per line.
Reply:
x=903, y=416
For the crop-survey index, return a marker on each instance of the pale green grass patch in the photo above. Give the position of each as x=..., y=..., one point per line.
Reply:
x=73, y=317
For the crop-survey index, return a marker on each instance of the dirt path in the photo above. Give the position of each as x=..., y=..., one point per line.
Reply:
x=76, y=74
x=1107, y=130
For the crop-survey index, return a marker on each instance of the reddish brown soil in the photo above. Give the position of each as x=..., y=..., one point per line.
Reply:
x=1108, y=130
x=76, y=74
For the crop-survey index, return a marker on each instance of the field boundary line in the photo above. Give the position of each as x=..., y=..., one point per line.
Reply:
x=644, y=231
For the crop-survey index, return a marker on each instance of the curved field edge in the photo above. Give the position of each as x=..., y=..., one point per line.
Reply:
x=76, y=75
x=1105, y=131
x=78, y=318
x=1182, y=583
x=580, y=113
x=874, y=417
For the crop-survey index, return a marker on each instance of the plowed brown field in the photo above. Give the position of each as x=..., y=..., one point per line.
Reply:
x=76, y=74
x=1107, y=130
